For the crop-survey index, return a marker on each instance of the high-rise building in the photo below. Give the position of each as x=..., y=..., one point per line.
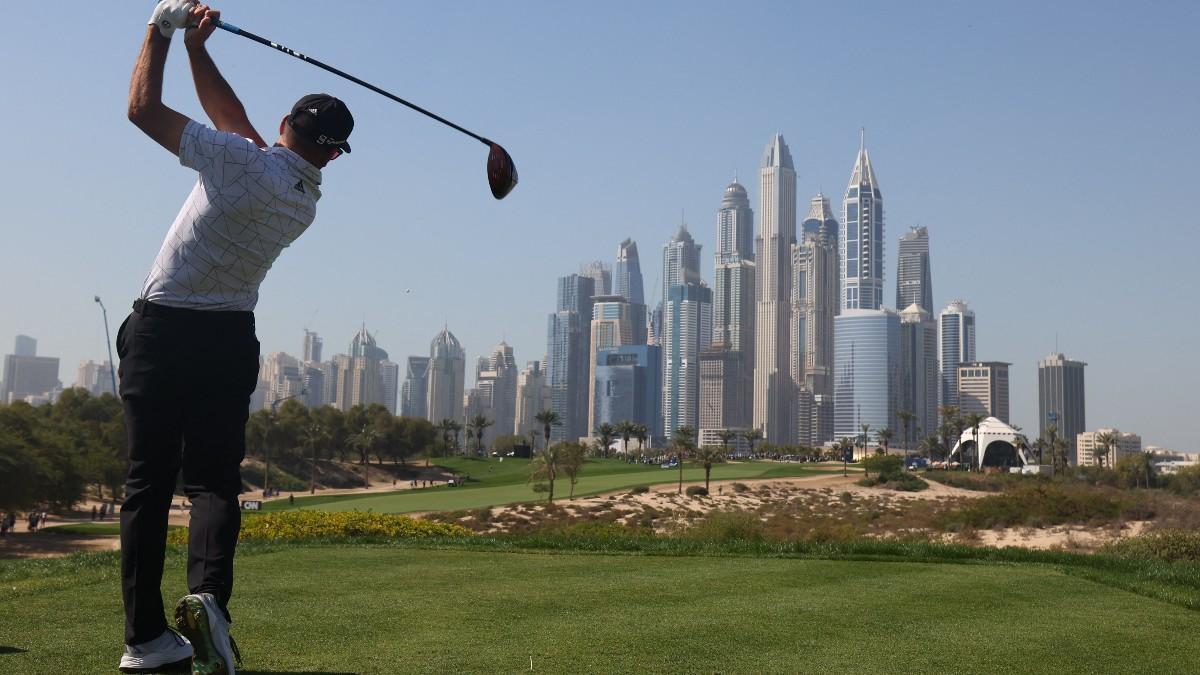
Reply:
x=726, y=385
x=313, y=374
x=415, y=390
x=600, y=273
x=1061, y=400
x=735, y=225
x=914, y=281
x=820, y=223
x=282, y=377
x=814, y=305
x=497, y=384
x=687, y=328
x=360, y=381
x=447, y=378
x=866, y=372
x=568, y=343
x=983, y=389
x=95, y=377
x=862, y=237
x=774, y=389
x=613, y=321
x=919, y=374
x=533, y=396
x=629, y=386
x=1088, y=442
x=389, y=379
x=681, y=261
x=627, y=273
x=956, y=344
x=26, y=374
x=312, y=347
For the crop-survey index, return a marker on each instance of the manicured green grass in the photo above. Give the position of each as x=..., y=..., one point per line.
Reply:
x=409, y=609
x=493, y=483
x=87, y=529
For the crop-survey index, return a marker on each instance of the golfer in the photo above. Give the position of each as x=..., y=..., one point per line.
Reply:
x=189, y=356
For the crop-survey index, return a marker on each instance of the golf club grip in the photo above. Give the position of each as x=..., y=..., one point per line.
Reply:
x=225, y=25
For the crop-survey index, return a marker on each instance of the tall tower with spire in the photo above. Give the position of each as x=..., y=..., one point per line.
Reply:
x=681, y=261
x=774, y=390
x=735, y=224
x=861, y=245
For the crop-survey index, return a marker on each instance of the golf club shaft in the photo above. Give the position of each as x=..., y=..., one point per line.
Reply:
x=287, y=50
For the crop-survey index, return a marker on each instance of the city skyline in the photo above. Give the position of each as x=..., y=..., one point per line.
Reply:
x=956, y=144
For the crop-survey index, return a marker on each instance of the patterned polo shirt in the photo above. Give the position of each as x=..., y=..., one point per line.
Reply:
x=248, y=204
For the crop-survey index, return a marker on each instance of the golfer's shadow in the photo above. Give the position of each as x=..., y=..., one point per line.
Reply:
x=12, y=650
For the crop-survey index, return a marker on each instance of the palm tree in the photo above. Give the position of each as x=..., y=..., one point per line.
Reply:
x=929, y=445
x=707, y=456
x=364, y=441
x=906, y=418
x=573, y=457
x=684, y=441
x=885, y=438
x=726, y=435
x=548, y=418
x=865, y=437
x=314, y=436
x=844, y=448
x=605, y=433
x=752, y=436
x=1106, y=442
x=625, y=430
x=476, y=425
x=972, y=422
x=1020, y=443
x=641, y=433
x=546, y=465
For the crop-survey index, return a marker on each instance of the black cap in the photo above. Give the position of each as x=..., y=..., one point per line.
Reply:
x=324, y=120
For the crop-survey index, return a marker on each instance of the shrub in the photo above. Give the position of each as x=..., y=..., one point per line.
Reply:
x=740, y=488
x=906, y=482
x=1170, y=545
x=1040, y=503
x=885, y=466
x=727, y=526
x=640, y=490
x=697, y=491
x=1185, y=482
x=299, y=525
x=594, y=530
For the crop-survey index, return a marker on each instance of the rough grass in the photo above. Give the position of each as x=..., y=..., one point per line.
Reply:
x=584, y=605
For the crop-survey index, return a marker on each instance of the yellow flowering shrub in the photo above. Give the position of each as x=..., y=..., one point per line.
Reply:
x=297, y=525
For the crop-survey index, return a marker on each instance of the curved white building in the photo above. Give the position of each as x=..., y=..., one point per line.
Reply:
x=999, y=443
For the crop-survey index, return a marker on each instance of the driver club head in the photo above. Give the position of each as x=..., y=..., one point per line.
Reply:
x=502, y=173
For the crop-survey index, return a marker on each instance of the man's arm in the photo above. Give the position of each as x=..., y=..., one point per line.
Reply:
x=146, y=109
x=220, y=103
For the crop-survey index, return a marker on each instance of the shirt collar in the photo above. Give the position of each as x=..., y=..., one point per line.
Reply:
x=298, y=164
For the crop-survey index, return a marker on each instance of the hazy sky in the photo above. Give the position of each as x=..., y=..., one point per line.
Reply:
x=1048, y=149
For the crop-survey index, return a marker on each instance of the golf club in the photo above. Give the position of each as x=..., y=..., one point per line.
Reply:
x=501, y=172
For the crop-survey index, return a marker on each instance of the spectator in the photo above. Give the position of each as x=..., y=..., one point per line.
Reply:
x=4, y=525
x=94, y=512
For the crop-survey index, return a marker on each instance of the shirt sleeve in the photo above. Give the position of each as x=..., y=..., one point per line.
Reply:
x=216, y=154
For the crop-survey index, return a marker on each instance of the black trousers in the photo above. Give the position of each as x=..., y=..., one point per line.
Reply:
x=186, y=380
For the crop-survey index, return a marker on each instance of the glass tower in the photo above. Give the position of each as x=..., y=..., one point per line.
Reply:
x=956, y=344
x=867, y=372
x=862, y=237
x=914, y=282
x=1061, y=399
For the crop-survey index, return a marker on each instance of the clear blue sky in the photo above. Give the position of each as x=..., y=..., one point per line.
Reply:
x=1049, y=149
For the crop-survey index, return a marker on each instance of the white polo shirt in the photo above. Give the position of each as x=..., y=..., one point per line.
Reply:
x=248, y=205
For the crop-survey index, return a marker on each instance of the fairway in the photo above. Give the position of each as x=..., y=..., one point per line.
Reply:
x=379, y=610
x=495, y=483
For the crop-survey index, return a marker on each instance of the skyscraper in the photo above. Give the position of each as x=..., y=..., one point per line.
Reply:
x=914, y=283
x=415, y=390
x=600, y=273
x=533, y=396
x=312, y=347
x=814, y=305
x=613, y=321
x=867, y=371
x=627, y=273
x=27, y=374
x=821, y=223
x=496, y=392
x=774, y=397
x=862, y=237
x=983, y=389
x=360, y=380
x=389, y=377
x=95, y=378
x=568, y=347
x=735, y=225
x=681, y=261
x=629, y=386
x=726, y=385
x=447, y=378
x=956, y=344
x=919, y=373
x=687, y=328
x=1061, y=400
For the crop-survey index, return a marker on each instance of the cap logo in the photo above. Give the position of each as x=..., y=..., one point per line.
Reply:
x=312, y=110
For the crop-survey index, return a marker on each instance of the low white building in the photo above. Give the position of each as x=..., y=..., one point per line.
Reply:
x=1087, y=442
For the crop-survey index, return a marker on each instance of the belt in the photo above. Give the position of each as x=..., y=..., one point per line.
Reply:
x=146, y=308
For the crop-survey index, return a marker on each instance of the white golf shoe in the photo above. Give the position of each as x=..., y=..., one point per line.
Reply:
x=168, y=651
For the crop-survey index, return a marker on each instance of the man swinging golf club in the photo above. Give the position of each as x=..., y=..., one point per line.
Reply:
x=188, y=352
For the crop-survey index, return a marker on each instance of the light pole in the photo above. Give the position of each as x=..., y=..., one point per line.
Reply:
x=267, y=434
x=112, y=368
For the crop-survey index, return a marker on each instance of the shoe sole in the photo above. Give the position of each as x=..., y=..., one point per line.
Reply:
x=191, y=618
x=180, y=666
